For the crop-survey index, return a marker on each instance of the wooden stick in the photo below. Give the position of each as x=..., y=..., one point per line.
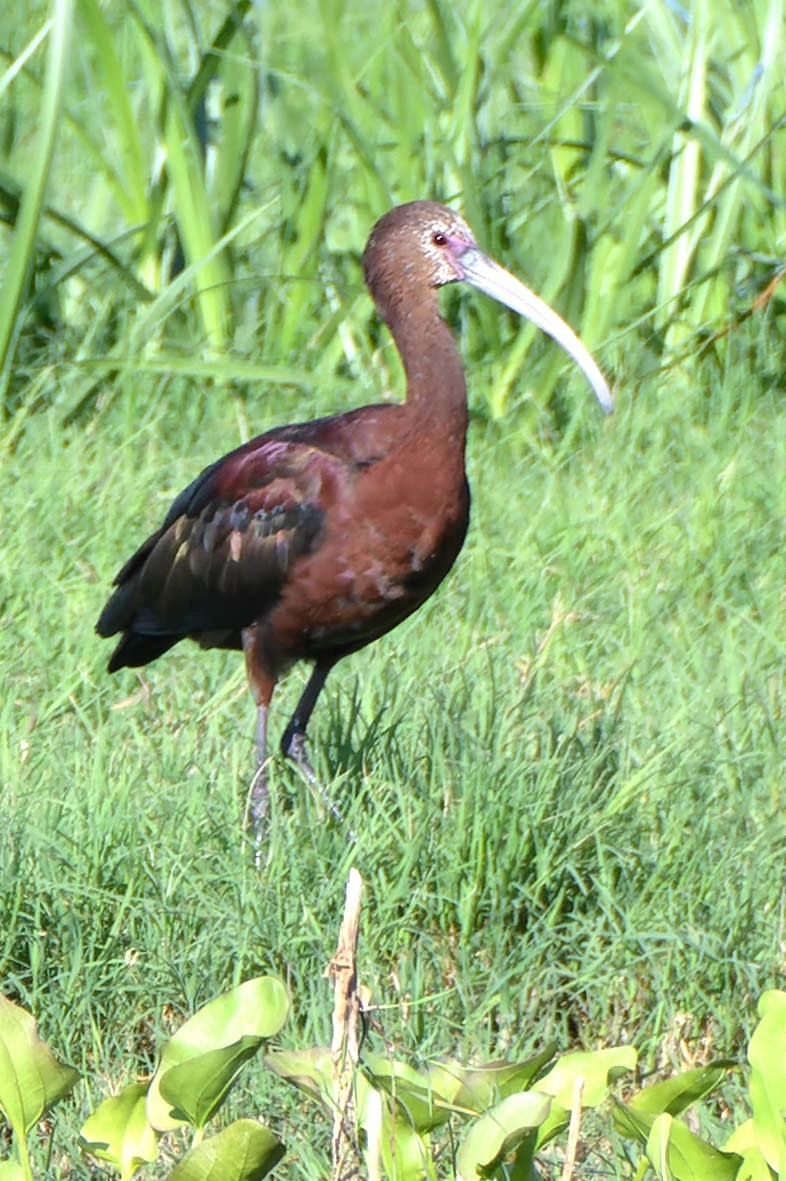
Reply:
x=342, y=970
x=574, y=1129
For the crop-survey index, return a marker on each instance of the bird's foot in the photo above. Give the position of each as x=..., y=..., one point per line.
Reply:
x=296, y=751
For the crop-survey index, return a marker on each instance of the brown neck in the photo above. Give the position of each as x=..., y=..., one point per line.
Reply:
x=436, y=391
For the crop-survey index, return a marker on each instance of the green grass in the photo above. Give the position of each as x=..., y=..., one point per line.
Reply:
x=566, y=772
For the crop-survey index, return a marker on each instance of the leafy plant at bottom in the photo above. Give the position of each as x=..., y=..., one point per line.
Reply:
x=197, y=1069
x=31, y=1082
x=511, y=1109
x=755, y=1151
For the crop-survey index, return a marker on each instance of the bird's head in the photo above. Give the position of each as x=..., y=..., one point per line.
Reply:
x=422, y=245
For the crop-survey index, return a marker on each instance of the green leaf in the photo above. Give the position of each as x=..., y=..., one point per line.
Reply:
x=311, y=1071
x=129, y=188
x=674, y=1095
x=688, y=1157
x=405, y=1153
x=11, y=1171
x=557, y=1119
x=148, y=323
x=742, y=1138
x=389, y=1139
x=743, y=1141
x=449, y=1087
x=195, y=1089
x=31, y=1078
x=767, y=1056
x=118, y=1131
x=505, y=1128
x=300, y=257
x=658, y=1146
x=244, y=1151
x=233, y=138
x=414, y=1090
x=597, y=1067
x=472, y=1089
x=254, y=1010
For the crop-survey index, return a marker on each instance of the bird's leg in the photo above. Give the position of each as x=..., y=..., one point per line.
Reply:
x=293, y=743
x=259, y=796
x=262, y=685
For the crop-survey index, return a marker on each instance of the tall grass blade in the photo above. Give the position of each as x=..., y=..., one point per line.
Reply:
x=131, y=194
x=19, y=63
x=200, y=273
x=14, y=288
x=683, y=184
x=194, y=217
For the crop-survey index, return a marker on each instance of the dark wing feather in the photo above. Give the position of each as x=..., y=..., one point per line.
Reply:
x=224, y=551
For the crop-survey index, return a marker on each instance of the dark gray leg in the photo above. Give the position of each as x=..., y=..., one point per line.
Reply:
x=293, y=744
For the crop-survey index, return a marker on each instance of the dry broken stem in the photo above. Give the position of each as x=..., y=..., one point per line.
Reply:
x=342, y=970
x=574, y=1130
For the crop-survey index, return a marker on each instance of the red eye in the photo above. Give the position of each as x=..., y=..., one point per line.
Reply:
x=439, y=239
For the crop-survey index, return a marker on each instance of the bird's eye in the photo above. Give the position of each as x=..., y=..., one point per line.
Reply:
x=439, y=239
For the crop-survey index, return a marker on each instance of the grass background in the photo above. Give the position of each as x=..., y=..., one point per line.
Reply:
x=566, y=773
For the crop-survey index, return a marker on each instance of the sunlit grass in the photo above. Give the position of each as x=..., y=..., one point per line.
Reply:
x=565, y=772
x=555, y=770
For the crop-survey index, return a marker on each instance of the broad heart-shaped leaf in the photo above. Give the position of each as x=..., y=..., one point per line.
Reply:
x=245, y=1151
x=389, y=1137
x=743, y=1141
x=674, y=1095
x=658, y=1146
x=754, y=1167
x=510, y=1125
x=689, y=1158
x=11, y=1171
x=256, y=1009
x=557, y=1119
x=31, y=1078
x=311, y=1071
x=597, y=1067
x=195, y=1089
x=118, y=1131
x=449, y=1087
x=410, y=1089
x=767, y=1056
x=473, y=1089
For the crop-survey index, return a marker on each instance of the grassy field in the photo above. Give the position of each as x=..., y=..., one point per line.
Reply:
x=566, y=773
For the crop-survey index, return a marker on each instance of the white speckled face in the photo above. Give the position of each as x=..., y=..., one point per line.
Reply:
x=443, y=237
x=410, y=243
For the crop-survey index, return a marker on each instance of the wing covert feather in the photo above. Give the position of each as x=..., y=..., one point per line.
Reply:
x=222, y=555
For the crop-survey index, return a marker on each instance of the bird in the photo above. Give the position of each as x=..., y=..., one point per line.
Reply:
x=315, y=538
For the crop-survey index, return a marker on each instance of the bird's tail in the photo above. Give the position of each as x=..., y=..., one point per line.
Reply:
x=142, y=639
x=135, y=650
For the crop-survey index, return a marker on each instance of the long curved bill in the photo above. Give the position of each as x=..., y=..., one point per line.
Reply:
x=489, y=277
